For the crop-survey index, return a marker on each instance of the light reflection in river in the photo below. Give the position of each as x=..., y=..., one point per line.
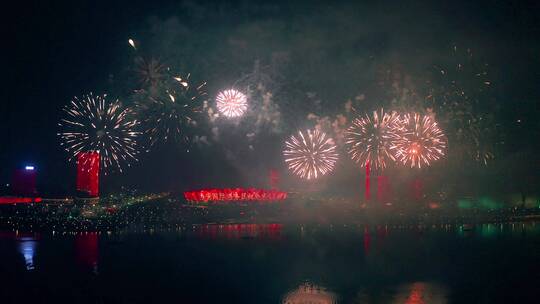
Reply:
x=413, y=264
x=27, y=244
x=421, y=293
x=308, y=293
x=239, y=231
x=86, y=250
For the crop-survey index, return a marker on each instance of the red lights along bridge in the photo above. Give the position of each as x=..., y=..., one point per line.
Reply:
x=234, y=194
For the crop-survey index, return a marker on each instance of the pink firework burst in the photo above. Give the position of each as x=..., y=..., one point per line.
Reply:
x=422, y=142
x=231, y=103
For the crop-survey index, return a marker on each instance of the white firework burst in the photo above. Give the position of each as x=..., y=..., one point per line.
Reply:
x=93, y=124
x=371, y=138
x=310, y=154
x=231, y=103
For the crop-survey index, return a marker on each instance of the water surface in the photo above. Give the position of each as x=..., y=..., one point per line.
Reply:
x=274, y=263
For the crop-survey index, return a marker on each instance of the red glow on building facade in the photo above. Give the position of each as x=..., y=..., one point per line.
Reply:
x=367, y=193
x=88, y=173
x=19, y=200
x=236, y=194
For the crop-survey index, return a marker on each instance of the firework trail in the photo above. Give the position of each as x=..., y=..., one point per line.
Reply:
x=370, y=138
x=421, y=143
x=132, y=43
x=231, y=103
x=94, y=124
x=310, y=154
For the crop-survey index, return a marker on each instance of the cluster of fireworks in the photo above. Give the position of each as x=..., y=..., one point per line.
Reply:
x=413, y=140
x=93, y=123
x=167, y=107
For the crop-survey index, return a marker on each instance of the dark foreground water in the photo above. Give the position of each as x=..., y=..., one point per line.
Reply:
x=274, y=264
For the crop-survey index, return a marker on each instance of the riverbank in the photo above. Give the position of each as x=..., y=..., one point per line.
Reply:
x=170, y=214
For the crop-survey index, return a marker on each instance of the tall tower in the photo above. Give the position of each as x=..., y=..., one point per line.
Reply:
x=88, y=173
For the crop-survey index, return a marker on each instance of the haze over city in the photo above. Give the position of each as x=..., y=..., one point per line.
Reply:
x=303, y=142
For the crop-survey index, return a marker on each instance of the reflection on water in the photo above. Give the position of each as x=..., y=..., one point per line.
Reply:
x=27, y=244
x=421, y=293
x=309, y=294
x=367, y=240
x=239, y=231
x=267, y=263
x=86, y=250
x=495, y=230
x=408, y=293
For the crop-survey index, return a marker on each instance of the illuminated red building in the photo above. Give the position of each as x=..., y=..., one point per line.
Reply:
x=88, y=173
x=234, y=195
x=24, y=181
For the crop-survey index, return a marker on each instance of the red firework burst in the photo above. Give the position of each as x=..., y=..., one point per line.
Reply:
x=421, y=143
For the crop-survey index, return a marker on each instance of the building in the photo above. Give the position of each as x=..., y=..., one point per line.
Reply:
x=24, y=181
x=88, y=174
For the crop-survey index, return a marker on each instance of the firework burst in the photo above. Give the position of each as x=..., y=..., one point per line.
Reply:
x=94, y=124
x=370, y=138
x=421, y=143
x=231, y=103
x=310, y=154
x=168, y=104
x=169, y=114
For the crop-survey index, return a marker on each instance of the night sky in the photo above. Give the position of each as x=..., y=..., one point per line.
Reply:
x=323, y=55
